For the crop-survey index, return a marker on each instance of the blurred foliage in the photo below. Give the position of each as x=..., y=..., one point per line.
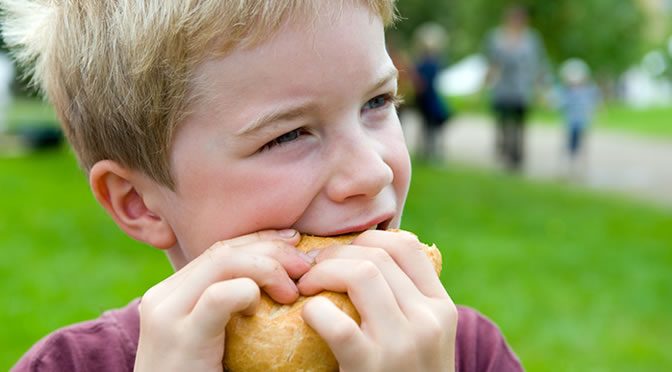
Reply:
x=608, y=36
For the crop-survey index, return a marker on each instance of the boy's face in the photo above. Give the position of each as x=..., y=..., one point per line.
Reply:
x=299, y=131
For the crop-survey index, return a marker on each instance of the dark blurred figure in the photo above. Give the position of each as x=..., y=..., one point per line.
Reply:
x=430, y=40
x=578, y=99
x=517, y=64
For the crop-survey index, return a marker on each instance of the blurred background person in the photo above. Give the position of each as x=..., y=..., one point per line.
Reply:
x=578, y=98
x=430, y=39
x=517, y=64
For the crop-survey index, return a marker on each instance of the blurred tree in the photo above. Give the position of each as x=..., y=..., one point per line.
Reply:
x=609, y=36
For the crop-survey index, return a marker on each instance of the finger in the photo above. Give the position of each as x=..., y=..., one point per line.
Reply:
x=407, y=251
x=215, y=306
x=289, y=235
x=223, y=264
x=344, y=337
x=366, y=287
x=402, y=286
x=286, y=254
x=294, y=261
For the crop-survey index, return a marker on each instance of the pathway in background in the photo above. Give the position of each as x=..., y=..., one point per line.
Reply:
x=614, y=161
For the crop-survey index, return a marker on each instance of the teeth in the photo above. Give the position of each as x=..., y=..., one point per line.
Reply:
x=375, y=227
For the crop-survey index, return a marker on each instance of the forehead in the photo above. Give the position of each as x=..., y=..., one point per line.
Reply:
x=334, y=50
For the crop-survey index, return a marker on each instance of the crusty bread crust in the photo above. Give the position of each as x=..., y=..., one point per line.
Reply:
x=277, y=339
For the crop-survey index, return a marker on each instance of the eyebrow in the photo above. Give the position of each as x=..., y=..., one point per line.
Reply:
x=391, y=74
x=275, y=116
x=302, y=110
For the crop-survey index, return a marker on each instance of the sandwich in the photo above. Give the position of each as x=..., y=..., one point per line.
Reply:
x=276, y=338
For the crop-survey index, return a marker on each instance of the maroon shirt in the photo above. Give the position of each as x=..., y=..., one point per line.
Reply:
x=109, y=343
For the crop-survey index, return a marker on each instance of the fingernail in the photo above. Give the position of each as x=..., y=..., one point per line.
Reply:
x=287, y=233
x=312, y=254
x=310, y=260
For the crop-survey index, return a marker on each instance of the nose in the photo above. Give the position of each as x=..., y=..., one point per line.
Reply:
x=359, y=170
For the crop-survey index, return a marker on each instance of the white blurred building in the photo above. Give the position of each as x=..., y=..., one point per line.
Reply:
x=6, y=79
x=645, y=85
x=463, y=78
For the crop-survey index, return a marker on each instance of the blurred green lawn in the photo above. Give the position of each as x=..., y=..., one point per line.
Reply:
x=652, y=121
x=577, y=281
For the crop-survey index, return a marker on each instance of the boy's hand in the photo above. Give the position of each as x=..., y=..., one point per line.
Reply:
x=408, y=320
x=183, y=318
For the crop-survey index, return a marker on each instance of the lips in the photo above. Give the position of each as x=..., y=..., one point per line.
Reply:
x=378, y=223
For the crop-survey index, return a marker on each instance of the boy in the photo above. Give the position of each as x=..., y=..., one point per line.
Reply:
x=215, y=130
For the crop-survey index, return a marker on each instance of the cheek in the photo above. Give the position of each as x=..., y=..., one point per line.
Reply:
x=248, y=199
x=399, y=160
x=402, y=175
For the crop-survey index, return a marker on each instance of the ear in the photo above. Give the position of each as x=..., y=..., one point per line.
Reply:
x=120, y=191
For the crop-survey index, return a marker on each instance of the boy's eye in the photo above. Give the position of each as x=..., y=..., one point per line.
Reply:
x=381, y=101
x=285, y=138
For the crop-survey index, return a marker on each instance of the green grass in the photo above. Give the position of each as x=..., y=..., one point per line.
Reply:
x=63, y=259
x=577, y=281
x=26, y=112
x=656, y=121
x=652, y=122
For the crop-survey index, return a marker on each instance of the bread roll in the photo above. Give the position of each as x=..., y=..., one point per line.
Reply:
x=276, y=338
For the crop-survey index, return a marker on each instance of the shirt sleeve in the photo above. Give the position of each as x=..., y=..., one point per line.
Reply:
x=480, y=346
x=98, y=345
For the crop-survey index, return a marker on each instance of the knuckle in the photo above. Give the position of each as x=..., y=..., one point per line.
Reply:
x=220, y=245
x=212, y=298
x=343, y=333
x=268, y=268
x=248, y=283
x=369, y=235
x=278, y=245
x=218, y=251
x=153, y=312
x=365, y=270
x=150, y=298
x=429, y=330
x=216, y=297
x=409, y=238
x=431, y=323
x=268, y=265
x=401, y=347
x=153, y=317
x=380, y=255
x=447, y=313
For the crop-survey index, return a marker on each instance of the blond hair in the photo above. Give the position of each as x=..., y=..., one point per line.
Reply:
x=119, y=72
